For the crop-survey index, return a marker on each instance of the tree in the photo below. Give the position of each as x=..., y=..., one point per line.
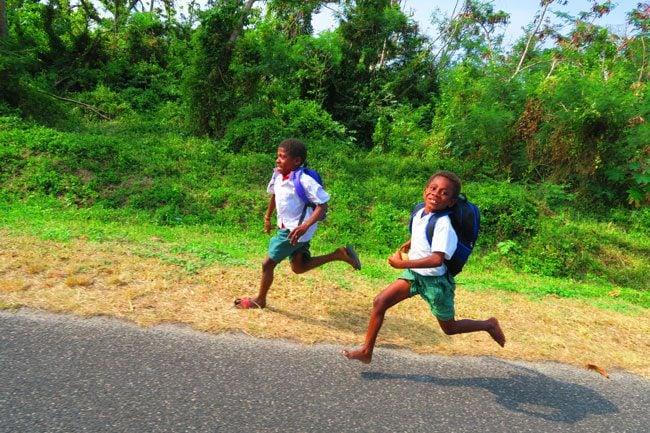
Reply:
x=4, y=26
x=378, y=41
x=471, y=32
x=208, y=84
x=293, y=17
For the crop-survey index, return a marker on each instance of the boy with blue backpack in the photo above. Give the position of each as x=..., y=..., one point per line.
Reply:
x=430, y=259
x=298, y=197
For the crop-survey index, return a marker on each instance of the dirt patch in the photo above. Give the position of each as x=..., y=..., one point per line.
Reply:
x=327, y=305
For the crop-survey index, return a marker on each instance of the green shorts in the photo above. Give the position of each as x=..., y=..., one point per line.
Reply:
x=437, y=291
x=280, y=247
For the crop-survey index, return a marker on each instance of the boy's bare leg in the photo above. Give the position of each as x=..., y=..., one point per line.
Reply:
x=299, y=265
x=491, y=326
x=393, y=294
x=268, y=268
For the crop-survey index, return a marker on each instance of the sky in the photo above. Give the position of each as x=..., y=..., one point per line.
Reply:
x=521, y=13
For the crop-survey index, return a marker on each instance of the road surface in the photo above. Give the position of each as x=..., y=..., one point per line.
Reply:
x=59, y=373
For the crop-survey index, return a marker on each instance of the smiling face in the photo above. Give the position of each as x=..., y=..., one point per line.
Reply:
x=439, y=194
x=285, y=162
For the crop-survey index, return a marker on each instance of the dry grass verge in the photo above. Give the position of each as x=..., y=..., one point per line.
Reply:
x=115, y=279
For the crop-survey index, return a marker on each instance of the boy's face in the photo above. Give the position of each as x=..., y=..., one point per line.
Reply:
x=439, y=194
x=285, y=162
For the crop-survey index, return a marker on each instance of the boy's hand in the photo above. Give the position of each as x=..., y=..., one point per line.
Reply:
x=297, y=234
x=396, y=260
x=267, y=226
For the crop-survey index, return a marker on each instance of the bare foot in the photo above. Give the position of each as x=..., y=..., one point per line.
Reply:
x=350, y=255
x=247, y=303
x=359, y=355
x=495, y=331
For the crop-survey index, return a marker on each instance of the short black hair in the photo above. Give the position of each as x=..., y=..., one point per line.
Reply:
x=452, y=177
x=295, y=148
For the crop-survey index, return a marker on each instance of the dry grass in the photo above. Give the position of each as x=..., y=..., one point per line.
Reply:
x=86, y=279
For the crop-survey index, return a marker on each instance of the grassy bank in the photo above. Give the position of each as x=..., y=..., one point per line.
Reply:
x=120, y=263
x=139, y=221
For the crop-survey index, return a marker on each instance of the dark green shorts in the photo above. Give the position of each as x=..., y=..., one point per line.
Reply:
x=280, y=247
x=437, y=291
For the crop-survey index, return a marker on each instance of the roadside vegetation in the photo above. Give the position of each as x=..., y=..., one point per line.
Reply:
x=136, y=145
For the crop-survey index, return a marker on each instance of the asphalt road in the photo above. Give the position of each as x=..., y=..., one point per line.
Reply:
x=64, y=374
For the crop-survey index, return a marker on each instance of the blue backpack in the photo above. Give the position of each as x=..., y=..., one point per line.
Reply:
x=465, y=219
x=300, y=190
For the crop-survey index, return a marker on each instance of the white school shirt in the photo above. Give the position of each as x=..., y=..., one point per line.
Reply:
x=444, y=241
x=289, y=206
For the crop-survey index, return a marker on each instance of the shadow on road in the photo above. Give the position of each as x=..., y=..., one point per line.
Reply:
x=532, y=394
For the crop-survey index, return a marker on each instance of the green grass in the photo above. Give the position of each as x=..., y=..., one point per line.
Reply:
x=600, y=293
x=190, y=202
x=194, y=247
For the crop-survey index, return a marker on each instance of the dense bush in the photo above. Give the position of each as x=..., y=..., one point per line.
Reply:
x=508, y=211
x=534, y=229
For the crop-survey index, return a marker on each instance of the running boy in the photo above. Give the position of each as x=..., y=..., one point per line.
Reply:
x=296, y=222
x=425, y=272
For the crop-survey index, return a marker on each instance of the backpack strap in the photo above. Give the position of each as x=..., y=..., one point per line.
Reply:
x=300, y=190
x=431, y=224
x=414, y=212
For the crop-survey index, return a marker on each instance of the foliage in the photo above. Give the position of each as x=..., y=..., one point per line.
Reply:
x=260, y=129
x=508, y=211
x=549, y=135
x=384, y=62
x=476, y=115
x=187, y=181
x=208, y=83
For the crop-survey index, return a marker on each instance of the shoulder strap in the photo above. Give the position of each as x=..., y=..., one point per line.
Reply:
x=300, y=190
x=431, y=224
x=313, y=174
x=414, y=212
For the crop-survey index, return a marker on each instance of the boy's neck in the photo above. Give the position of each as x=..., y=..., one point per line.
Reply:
x=427, y=212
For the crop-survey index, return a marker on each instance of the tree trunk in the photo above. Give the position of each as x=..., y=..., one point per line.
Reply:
x=236, y=33
x=4, y=25
x=545, y=4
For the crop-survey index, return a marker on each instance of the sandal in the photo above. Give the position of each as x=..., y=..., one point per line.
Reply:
x=354, y=256
x=246, y=303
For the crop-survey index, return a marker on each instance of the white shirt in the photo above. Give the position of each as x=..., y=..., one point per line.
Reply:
x=289, y=206
x=444, y=241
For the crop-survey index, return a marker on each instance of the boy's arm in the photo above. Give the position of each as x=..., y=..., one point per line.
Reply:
x=269, y=212
x=296, y=233
x=443, y=238
x=436, y=259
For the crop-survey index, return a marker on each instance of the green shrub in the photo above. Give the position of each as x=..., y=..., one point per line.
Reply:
x=508, y=212
x=247, y=170
x=40, y=175
x=399, y=130
x=387, y=228
x=254, y=129
x=307, y=119
x=109, y=102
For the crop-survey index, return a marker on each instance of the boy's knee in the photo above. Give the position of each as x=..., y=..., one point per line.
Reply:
x=379, y=303
x=297, y=268
x=448, y=327
x=298, y=264
x=268, y=265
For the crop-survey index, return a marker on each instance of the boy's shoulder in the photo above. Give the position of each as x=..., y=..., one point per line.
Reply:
x=300, y=172
x=431, y=219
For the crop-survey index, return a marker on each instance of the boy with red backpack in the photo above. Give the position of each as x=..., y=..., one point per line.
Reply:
x=298, y=197
x=431, y=263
